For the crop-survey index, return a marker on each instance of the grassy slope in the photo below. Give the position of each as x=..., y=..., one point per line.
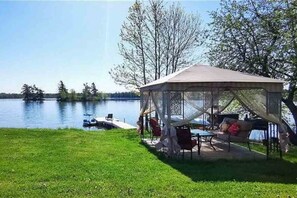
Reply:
x=74, y=163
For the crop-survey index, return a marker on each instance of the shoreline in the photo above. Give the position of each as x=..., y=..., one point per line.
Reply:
x=51, y=99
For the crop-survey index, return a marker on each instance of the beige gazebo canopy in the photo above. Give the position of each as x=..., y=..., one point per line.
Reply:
x=195, y=90
x=198, y=76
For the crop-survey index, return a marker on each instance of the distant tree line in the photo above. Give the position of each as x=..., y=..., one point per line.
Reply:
x=32, y=93
x=10, y=95
x=123, y=95
x=19, y=95
x=89, y=93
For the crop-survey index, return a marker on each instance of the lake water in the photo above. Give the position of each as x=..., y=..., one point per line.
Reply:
x=16, y=113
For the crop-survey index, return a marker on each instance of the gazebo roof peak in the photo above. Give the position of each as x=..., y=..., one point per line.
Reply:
x=199, y=73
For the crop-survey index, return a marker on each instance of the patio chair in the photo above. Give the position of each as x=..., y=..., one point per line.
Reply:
x=184, y=139
x=109, y=116
x=155, y=128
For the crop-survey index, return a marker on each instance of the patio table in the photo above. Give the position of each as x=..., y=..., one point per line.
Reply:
x=203, y=136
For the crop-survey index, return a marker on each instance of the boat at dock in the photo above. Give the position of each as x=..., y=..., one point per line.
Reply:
x=87, y=122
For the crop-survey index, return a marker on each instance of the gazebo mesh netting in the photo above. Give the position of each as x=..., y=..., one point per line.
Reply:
x=182, y=102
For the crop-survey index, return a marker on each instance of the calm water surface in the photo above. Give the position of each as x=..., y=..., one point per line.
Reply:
x=16, y=113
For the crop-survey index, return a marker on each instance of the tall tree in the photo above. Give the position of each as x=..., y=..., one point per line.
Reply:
x=155, y=41
x=133, y=71
x=32, y=93
x=62, y=92
x=86, y=92
x=94, y=91
x=182, y=34
x=258, y=37
x=153, y=26
x=40, y=95
x=26, y=91
x=72, y=95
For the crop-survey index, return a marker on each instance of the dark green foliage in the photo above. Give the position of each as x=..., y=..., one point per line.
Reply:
x=10, y=95
x=32, y=93
x=26, y=91
x=89, y=93
x=73, y=95
x=62, y=92
x=86, y=93
x=16, y=95
x=258, y=37
x=94, y=91
x=124, y=95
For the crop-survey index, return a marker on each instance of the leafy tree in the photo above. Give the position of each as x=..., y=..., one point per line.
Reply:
x=181, y=36
x=40, y=95
x=27, y=93
x=32, y=93
x=94, y=91
x=132, y=72
x=62, y=92
x=72, y=95
x=103, y=96
x=258, y=37
x=62, y=87
x=86, y=92
x=155, y=41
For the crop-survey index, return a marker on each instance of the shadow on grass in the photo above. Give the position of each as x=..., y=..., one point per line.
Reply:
x=266, y=171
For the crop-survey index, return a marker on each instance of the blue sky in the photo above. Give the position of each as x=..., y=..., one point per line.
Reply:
x=42, y=43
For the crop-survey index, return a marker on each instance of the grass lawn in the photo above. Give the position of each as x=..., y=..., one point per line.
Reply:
x=75, y=163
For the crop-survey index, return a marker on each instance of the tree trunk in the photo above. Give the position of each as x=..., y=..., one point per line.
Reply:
x=293, y=109
x=292, y=134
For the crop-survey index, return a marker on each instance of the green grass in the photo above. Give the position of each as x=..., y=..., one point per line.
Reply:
x=75, y=163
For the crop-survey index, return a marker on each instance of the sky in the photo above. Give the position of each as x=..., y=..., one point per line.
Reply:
x=43, y=42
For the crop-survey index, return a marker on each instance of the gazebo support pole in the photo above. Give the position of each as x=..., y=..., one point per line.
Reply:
x=170, y=142
x=267, y=144
x=280, y=118
x=146, y=115
x=183, y=99
x=211, y=111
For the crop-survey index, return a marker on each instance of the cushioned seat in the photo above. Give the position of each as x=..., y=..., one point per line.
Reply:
x=242, y=135
x=184, y=138
x=155, y=128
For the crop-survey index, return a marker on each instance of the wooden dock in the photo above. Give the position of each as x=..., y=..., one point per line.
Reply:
x=113, y=123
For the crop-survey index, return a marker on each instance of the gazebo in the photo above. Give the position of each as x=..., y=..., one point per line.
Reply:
x=201, y=89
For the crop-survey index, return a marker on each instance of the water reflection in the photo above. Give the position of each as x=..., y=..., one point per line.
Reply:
x=53, y=114
x=62, y=111
x=73, y=108
x=90, y=107
x=33, y=113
